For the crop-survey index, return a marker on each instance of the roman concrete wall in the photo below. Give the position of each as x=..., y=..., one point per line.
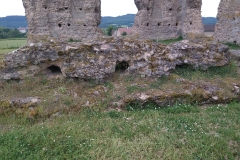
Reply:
x=191, y=17
x=228, y=26
x=156, y=19
x=166, y=19
x=62, y=19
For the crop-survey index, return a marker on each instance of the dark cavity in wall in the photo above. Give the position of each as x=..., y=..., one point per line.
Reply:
x=121, y=66
x=54, y=69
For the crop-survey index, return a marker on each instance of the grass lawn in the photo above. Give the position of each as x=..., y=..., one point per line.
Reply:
x=66, y=128
x=8, y=45
x=175, y=132
x=233, y=46
x=179, y=132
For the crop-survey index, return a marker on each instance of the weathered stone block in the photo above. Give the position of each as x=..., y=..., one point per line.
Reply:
x=62, y=19
x=228, y=26
x=167, y=19
x=99, y=59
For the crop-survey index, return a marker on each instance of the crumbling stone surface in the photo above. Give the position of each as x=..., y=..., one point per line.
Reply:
x=206, y=93
x=191, y=17
x=100, y=58
x=26, y=106
x=168, y=19
x=158, y=19
x=228, y=26
x=62, y=19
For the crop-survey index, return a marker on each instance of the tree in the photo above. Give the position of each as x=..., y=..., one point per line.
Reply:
x=109, y=30
x=124, y=33
x=11, y=33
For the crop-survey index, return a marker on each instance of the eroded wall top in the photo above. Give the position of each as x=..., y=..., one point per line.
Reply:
x=62, y=19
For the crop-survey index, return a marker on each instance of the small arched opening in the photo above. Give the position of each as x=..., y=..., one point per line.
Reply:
x=121, y=66
x=54, y=69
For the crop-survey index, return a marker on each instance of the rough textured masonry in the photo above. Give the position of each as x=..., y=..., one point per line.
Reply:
x=167, y=19
x=101, y=58
x=191, y=17
x=228, y=26
x=156, y=19
x=62, y=19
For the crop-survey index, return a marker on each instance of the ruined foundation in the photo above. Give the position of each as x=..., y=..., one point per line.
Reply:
x=102, y=58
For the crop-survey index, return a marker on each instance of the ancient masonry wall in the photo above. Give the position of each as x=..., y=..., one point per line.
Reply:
x=191, y=17
x=156, y=19
x=228, y=26
x=166, y=19
x=62, y=19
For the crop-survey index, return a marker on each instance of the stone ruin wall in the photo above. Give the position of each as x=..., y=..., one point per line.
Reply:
x=191, y=17
x=168, y=19
x=62, y=19
x=156, y=19
x=228, y=26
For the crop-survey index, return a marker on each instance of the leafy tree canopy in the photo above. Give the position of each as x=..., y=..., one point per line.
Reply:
x=10, y=33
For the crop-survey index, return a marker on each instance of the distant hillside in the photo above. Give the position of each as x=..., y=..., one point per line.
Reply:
x=209, y=20
x=20, y=21
x=120, y=20
x=13, y=21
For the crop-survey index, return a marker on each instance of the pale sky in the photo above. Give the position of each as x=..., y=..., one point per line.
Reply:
x=109, y=7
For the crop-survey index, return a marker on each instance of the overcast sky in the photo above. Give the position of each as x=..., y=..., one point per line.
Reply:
x=109, y=7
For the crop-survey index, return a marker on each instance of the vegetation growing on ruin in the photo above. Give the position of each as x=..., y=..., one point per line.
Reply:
x=73, y=40
x=170, y=40
x=233, y=46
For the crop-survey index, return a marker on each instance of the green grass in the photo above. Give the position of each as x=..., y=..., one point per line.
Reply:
x=170, y=40
x=162, y=80
x=144, y=132
x=233, y=46
x=8, y=45
x=187, y=71
x=73, y=40
x=179, y=132
x=134, y=88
